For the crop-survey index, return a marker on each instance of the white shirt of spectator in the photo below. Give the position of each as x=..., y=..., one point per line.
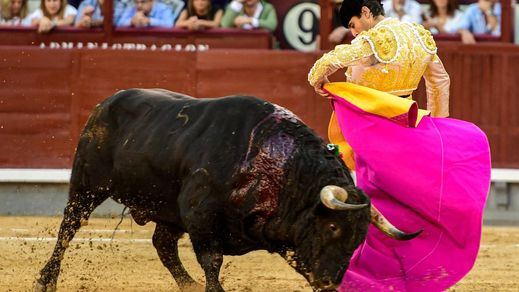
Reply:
x=412, y=9
x=13, y=21
x=237, y=7
x=451, y=25
x=38, y=13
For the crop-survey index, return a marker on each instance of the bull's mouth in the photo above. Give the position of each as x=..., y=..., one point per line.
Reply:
x=321, y=285
x=331, y=283
x=329, y=288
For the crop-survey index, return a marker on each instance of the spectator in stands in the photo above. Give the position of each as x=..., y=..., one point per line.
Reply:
x=217, y=4
x=176, y=6
x=339, y=32
x=483, y=17
x=12, y=12
x=198, y=15
x=405, y=10
x=74, y=3
x=90, y=14
x=146, y=13
x=443, y=16
x=249, y=14
x=119, y=7
x=52, y=13
x=220, y=4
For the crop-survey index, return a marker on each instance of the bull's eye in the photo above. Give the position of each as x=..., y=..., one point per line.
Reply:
x=335, y=230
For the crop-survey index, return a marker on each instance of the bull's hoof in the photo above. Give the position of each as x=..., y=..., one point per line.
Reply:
x=195, y=287
x=41, y=287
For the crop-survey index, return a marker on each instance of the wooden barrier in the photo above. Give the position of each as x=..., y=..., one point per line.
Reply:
x=46, y=95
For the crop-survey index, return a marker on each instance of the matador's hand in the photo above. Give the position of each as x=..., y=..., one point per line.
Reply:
x=319, y=87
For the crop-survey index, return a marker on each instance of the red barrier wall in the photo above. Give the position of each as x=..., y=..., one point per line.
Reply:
x=46, y=95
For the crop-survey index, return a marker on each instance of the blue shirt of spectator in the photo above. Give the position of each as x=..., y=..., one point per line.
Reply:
x=147, y=13
x=96, y=15
x=119, y=7
x=474, y=21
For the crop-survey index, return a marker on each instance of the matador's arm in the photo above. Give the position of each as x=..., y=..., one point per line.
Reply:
x=437, y=83
x=342, y=56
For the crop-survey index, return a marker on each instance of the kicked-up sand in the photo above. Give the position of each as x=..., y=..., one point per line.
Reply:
x=129, y=263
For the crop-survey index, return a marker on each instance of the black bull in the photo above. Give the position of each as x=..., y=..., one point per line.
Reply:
x=236, y=173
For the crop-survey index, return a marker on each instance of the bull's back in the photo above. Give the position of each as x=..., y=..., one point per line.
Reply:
x=158, y=132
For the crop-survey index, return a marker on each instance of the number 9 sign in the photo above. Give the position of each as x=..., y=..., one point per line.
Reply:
x=301, y=26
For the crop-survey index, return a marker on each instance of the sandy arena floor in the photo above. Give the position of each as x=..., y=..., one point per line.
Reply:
x=131, y=264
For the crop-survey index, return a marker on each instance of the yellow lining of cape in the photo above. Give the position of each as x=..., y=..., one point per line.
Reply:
x=371, y=101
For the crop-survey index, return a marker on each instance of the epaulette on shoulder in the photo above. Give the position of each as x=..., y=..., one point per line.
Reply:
x=425, y=37
x=383, y=42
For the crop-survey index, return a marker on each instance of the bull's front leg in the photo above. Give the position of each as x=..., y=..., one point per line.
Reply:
x=165, y=240
x=210, y=257
x=201, y=214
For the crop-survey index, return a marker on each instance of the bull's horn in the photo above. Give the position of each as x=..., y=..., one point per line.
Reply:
x=334, y=197
x=387, y=228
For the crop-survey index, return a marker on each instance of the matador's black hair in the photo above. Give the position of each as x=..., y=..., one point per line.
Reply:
x=350, y=8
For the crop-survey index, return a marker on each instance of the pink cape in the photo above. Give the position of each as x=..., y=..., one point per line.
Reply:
x=434, y=177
